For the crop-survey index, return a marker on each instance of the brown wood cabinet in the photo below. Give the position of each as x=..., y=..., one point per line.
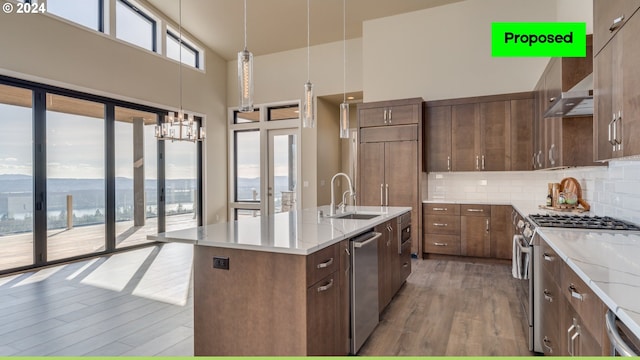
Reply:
x=487, y=133
x=475, y=230
x=572, y=315
x=390, y=159
x=468, y=230
x=608, y=18
x=562, y=141
x=389, y=113
x=616, y=82
x=387, y=263
x=501, y=232
x=441, y=229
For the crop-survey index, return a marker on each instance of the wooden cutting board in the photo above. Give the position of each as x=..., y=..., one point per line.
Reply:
x=572, y=185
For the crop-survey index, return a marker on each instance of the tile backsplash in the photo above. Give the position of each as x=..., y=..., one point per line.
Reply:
x=611, y=191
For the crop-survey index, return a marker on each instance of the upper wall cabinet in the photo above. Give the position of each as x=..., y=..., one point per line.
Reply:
x=562, y=141
x=616, y=80
x=488, y=133
x=608, y=18
x=385, y=113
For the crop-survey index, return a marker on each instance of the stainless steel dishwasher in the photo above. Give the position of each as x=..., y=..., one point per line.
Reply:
x=364, y=288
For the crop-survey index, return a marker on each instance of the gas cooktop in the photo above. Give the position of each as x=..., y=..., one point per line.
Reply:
x=582, y=222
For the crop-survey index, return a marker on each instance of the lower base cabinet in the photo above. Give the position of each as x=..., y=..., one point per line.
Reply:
x=393, y=267
x=572, y=315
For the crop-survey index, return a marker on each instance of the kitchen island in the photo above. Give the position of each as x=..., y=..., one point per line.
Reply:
x=275, y=285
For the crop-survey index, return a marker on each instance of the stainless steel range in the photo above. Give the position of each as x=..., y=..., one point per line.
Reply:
x=532, y=223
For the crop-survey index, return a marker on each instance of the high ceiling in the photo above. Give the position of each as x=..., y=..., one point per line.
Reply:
x=279, y=25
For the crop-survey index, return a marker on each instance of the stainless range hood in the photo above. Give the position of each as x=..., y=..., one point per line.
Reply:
x=578, y=101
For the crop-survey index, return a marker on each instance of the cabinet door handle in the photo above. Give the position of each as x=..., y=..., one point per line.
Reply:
x=482, y=162
x=547, y=295
x=574, y=293
x=611, y=125
x=475, y=210
x=326, y=286
x=547, y=257
x=384, y=116
x=381, y=195
x=552, y=99
x=325, y=264
x=477, y=162
x=390, y=115
x=440, y=244
x=551, y=156
x=616, y=124
x=547, y=344
x=439, y=209
x=405, y=265
x=487, y=228
x=386, y=194
x=616, y=23
x=571, y=346
x=538, y=158
x=440, y=225
x=533, y=160
x=448, y=163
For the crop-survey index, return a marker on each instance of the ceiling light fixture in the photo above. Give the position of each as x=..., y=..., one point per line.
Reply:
x=308, y=110
x=245, y=72
x=344, y=107
x=180, y=126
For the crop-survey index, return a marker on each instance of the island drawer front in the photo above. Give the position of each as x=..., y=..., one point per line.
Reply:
x=322, y=263
x=585, y=302
x=475, y=210
x=441, y=209
x=442, y=224
x=550, y=261
x=442, y=244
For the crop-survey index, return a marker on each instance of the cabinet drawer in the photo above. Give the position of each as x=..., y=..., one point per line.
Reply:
x=552, y=305
x=550, y=261
x=322, y=263
x=389, y=133
x=475, y=210
x=441, y=209
x=586, y=304
x=442, y=224
x=405, y=261
x=441, y=244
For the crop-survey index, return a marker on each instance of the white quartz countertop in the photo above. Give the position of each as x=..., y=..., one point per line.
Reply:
x=523, y=207
x=608, y=262
x=299, y=232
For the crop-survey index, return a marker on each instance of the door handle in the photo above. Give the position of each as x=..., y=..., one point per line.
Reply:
x=547, y=295
x=386, y=194
x=381, y=196
x=448, y=163
x=326, y=287
x=482, y=162
x=487, y=228
x=477, y=162
x=390, y=115
x=611, y=124
x=384, y=116
x=325, y=264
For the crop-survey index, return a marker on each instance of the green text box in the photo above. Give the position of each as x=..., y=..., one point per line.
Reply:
x=527, y=39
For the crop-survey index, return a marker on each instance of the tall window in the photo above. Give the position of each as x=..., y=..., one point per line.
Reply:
x=181, y=185
x=75, y=177
x=16, y=177
x=190, y=54
x=136, y=172
x=135, y=25
x=84, y=12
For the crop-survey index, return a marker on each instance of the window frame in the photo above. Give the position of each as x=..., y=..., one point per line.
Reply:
x=170, y=34
x=144, y=14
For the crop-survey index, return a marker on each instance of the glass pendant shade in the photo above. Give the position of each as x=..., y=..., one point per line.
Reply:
x=308, y=110
x=245, y=80
x=344, y=120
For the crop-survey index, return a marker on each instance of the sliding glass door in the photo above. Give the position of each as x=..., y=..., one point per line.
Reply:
x=16, y=177
x=75, y=177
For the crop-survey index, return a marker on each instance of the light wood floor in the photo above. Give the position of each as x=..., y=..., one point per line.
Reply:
x=140, y=303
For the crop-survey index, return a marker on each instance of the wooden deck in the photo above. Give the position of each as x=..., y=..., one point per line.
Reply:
x=17, y=250
x=140, y=302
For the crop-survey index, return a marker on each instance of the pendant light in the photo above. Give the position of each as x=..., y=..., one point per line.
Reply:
x=180, y=126
x=308, y=110
x=245, y=72
x=344, y=107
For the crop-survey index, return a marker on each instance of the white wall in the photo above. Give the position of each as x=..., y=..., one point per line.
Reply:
x=45, y=49
x=576, y=11
x=445, y=52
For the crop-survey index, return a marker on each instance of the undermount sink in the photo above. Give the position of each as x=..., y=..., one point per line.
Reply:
x=355, y=216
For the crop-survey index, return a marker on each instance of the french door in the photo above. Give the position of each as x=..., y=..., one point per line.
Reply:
x=282, y=185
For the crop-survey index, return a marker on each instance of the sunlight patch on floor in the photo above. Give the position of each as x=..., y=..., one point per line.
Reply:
x=116, y=272
x=169, y=276
x=83, y=268
x=7, y=279
x=39, y=276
